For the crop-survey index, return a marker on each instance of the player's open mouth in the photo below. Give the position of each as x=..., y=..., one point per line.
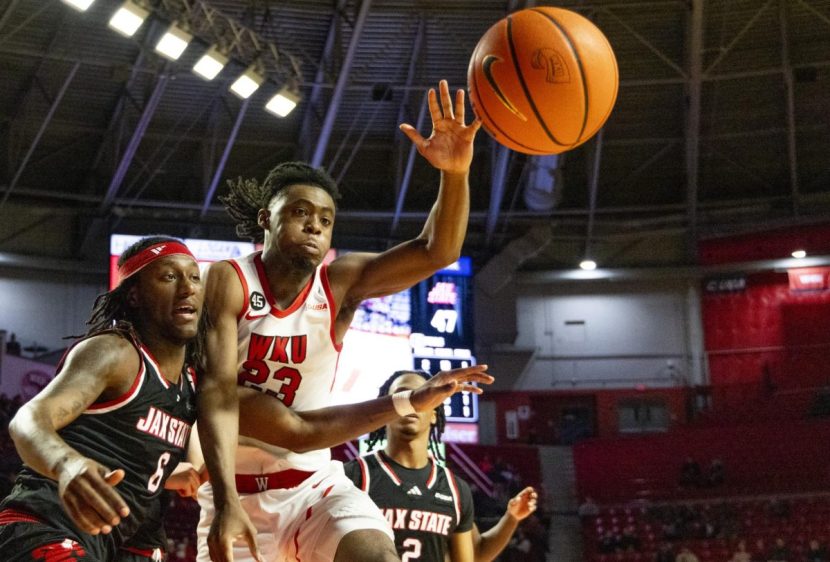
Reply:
x=185, y=311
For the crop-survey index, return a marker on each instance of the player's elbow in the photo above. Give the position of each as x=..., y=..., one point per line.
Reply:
x=18, y=425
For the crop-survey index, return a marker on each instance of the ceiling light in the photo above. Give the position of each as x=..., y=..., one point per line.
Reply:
x=210, y=64
x=283, y=102
x=80, y=5
x=588, y=265
x=173, y=43
x=128, y=18
x=247, y=83
x=799, y=254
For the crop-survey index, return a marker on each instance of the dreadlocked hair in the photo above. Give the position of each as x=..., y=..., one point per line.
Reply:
x=111, y=311
x=435, y=431
x=248, y=196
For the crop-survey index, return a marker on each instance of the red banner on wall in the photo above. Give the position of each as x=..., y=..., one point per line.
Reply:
x=809, y=278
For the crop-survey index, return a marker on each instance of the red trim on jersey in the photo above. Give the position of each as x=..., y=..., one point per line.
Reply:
x=191, y=377
x=364, y=474
x=155, y=364
x=245, y=294
x=328, y=491
x=14, y=516
x=263, y=280
x=387, y=468
x=324, y=278
x=148, y=255
x=110, y=405
x=455, y=494
x=144, y=552
x=433, y=475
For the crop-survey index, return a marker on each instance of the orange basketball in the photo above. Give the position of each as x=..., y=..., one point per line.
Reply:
x=543, y=80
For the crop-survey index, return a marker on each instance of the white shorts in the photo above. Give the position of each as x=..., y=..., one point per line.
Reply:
x=304, y=523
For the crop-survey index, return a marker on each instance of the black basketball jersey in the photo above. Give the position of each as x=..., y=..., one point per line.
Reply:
x=145, y=432
x=424, y=506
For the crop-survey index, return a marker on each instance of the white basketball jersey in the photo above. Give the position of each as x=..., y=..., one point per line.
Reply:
x=288, y=354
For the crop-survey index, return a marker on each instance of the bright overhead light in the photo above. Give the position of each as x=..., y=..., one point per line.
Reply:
x=799, y=254
x=283, y=102
x=247, y=83
x=588, y=265
x=80, y=5
x=128, y=18
x=210, y=64
x=173, y=43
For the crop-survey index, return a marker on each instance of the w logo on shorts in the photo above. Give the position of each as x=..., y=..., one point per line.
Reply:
x=65, y=551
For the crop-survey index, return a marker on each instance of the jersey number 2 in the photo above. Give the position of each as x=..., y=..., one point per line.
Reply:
x=415, y=553
x=256, y=373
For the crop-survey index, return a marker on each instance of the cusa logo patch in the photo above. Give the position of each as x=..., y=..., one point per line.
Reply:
x=257, y=300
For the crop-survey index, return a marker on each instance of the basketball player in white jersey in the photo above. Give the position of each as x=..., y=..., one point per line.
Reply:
x=278, y=321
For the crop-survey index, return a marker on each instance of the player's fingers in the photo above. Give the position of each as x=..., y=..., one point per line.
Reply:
x=104, y=489
x=469, y=388
x=113, y=477
x=459, y=106
x=412, y=133
x=446, y=99
x=104, y=506
x=86, y=519
x=434, y=107
x=250, y=538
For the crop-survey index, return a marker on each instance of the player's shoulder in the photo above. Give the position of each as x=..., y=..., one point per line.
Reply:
x=107, y=352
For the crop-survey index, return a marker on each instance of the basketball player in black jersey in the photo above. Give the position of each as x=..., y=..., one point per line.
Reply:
x=429, y=508
x=101, y=439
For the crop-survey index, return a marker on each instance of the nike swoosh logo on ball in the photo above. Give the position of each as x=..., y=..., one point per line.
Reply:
x=486, y=67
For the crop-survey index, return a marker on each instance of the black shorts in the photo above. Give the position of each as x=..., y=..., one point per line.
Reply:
x=35, y=541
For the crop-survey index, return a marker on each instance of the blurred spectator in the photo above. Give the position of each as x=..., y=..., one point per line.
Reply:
x=608, y=542
x=519, y=547
x=629, y=540
x=816, y=553
x=13, y=346
x=686, y=555
x=588, y=508
x=664, y=553
x=715, y=474
x=780, y=552
x=485, y=464
x=741, y=554
x=759, y=553
x=690, y=473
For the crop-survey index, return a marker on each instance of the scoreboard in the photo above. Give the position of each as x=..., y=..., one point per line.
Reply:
x=442, y=331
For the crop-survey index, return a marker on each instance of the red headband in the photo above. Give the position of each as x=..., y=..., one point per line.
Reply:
x=148, y=255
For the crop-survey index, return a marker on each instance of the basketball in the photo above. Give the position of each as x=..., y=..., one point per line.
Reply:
x=543, y=80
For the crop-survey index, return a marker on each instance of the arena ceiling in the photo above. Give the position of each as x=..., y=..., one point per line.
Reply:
x=722, y=125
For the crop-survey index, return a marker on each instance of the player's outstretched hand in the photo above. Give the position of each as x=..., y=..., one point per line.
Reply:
x=229, y=524
x=86, y=489
x=446, y=383
x=523, y=503
x=450, y=146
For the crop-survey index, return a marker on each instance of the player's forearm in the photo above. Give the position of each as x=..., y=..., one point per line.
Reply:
x=496, y=538
x=38, y=443
x=218, y=426
x=320, y=429
x=446, y=225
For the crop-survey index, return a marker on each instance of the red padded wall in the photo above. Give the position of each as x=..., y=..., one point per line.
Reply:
x=767, y=327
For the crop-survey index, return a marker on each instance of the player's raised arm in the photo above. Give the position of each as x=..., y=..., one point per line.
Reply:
x=272, y=422
x=102, y=367
x=218, y=407
x=449, y=149
x=490, y=544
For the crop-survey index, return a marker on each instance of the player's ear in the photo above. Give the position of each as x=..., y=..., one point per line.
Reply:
x=132, y=296
x=263, y=218
x=433, y=419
